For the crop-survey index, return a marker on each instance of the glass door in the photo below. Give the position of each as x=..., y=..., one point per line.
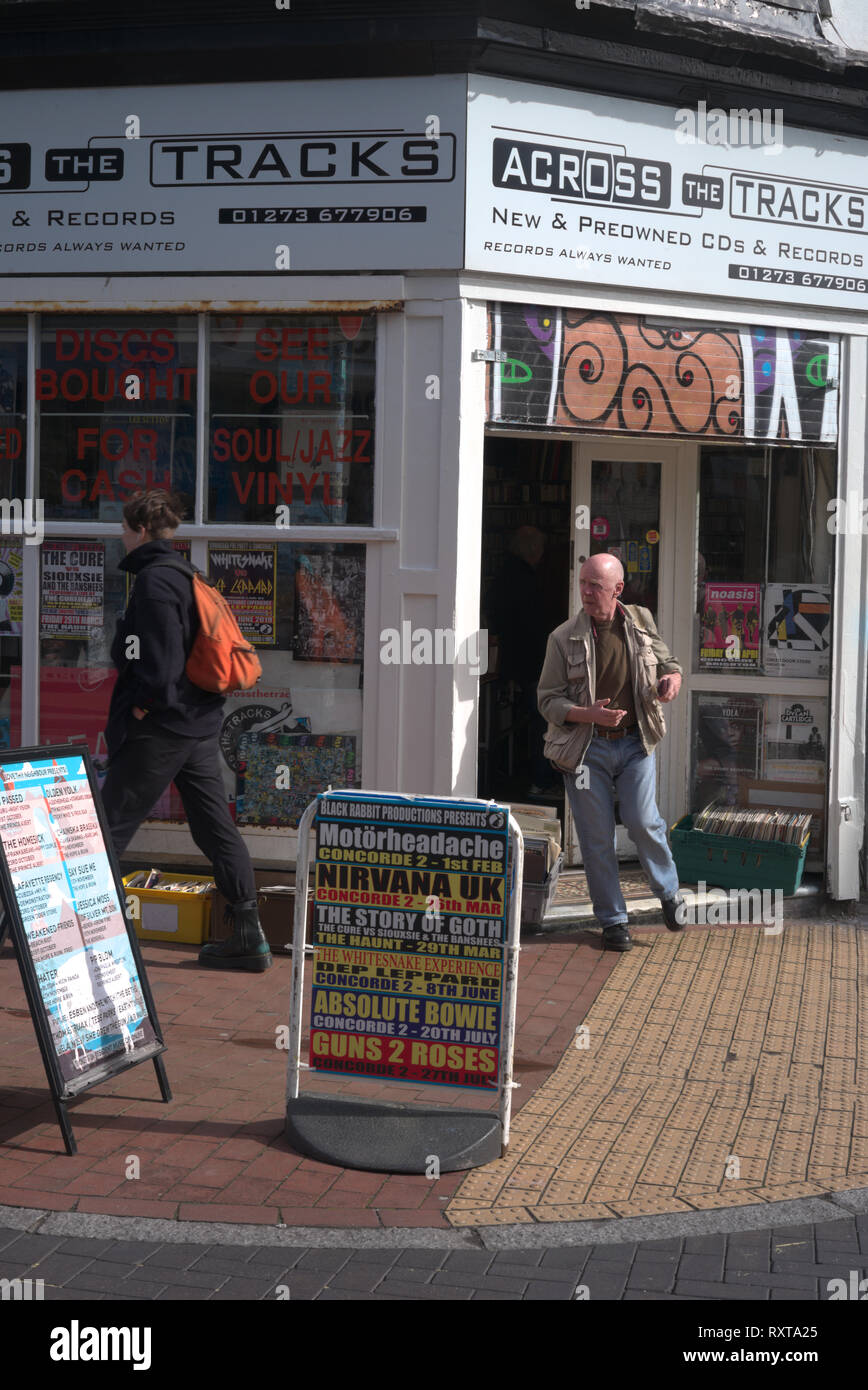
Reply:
x=636, y=499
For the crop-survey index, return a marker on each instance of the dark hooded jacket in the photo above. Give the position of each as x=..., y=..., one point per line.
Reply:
x=162, y=614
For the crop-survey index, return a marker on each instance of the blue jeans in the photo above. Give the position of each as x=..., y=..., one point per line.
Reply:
x=620, y=765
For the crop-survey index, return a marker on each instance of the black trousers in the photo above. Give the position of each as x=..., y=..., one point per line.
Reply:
x=146, y=762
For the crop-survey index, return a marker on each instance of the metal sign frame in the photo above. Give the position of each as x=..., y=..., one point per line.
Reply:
x=515, y=862
x=65, y=1089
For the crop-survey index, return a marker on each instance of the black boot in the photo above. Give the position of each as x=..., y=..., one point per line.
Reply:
x=246, y=948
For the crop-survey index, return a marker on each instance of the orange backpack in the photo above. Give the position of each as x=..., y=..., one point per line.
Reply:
x=221, y=660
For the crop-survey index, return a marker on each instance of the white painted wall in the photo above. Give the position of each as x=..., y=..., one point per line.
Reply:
x=846, y=807
x=431, y=472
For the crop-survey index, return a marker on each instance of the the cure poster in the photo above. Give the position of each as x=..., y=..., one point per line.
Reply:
x=54, y=857
x=410, y=935
x=72, y=588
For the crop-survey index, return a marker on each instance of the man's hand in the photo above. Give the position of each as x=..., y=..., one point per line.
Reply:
x=668, y=687
x=139, y=713
x=609, y=718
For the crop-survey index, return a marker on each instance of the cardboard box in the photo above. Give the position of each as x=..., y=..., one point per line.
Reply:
x=536, y=860
x=541, y=832
x=276, y=905
x=277, y=915
x=519, y=809
x=169, y=915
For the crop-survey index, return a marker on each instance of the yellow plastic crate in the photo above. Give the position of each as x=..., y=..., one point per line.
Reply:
x=167, y=915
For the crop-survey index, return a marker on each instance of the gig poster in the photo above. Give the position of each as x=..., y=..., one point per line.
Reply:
x=73, y=588
x=93, y=995
x=11, y=562
x=797, y=623
x=410, y=935
x=245, y=575
x=730, y=631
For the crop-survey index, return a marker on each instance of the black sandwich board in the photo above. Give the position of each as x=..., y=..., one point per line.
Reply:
x=65, y=902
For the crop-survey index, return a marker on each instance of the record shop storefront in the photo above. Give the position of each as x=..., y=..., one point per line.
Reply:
x=292, y=332
x=709, y=475
x=694, y=404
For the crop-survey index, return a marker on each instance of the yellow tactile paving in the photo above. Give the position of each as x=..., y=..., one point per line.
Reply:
x=533, y=1177
x=589, y=1211
x=649, y=1206
x=704, y=1047
x=502, y=1216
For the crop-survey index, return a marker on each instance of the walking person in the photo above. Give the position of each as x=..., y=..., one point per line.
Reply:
x=606, y=673
x=161, y=728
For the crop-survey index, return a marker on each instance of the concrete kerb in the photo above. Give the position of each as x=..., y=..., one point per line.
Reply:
x=834, y=1206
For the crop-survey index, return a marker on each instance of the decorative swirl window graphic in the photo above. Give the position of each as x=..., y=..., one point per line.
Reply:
x=591, y=370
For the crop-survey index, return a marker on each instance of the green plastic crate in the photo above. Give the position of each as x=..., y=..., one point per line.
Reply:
x=725, y=861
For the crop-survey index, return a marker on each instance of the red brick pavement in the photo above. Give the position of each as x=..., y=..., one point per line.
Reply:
x=217, y=1151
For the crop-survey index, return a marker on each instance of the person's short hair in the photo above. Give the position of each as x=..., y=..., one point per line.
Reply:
x=529, y=543
x=160, y=512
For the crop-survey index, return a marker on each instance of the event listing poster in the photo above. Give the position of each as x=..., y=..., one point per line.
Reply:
x=410, y=928
x=73, y=920
x=730, y=628
x=797, y=629
x=73, y=588
x=245, y=576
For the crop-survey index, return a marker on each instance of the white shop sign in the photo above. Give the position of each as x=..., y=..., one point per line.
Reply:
x=597, y=190
x=349, y=176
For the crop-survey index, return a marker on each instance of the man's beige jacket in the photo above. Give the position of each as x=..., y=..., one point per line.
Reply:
x=569, y=677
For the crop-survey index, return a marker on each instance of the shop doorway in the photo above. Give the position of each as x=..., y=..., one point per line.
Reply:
x=548, y=504
x=525, y=593
x=718, y=542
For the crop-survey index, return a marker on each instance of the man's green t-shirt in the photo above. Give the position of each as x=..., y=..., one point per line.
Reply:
x=613, y=668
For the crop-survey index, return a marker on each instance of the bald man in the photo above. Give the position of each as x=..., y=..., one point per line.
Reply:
x=608, y=671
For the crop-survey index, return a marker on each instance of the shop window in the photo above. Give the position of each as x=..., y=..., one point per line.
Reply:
x=291, y=420
x=83, y=593
x=117, y=406
x=11, y=565
x=764, y=567
x=81, y=597
x=762, y=752
x=303, y=608
x=300, y=730
x=763, y=609
x=13, y=406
